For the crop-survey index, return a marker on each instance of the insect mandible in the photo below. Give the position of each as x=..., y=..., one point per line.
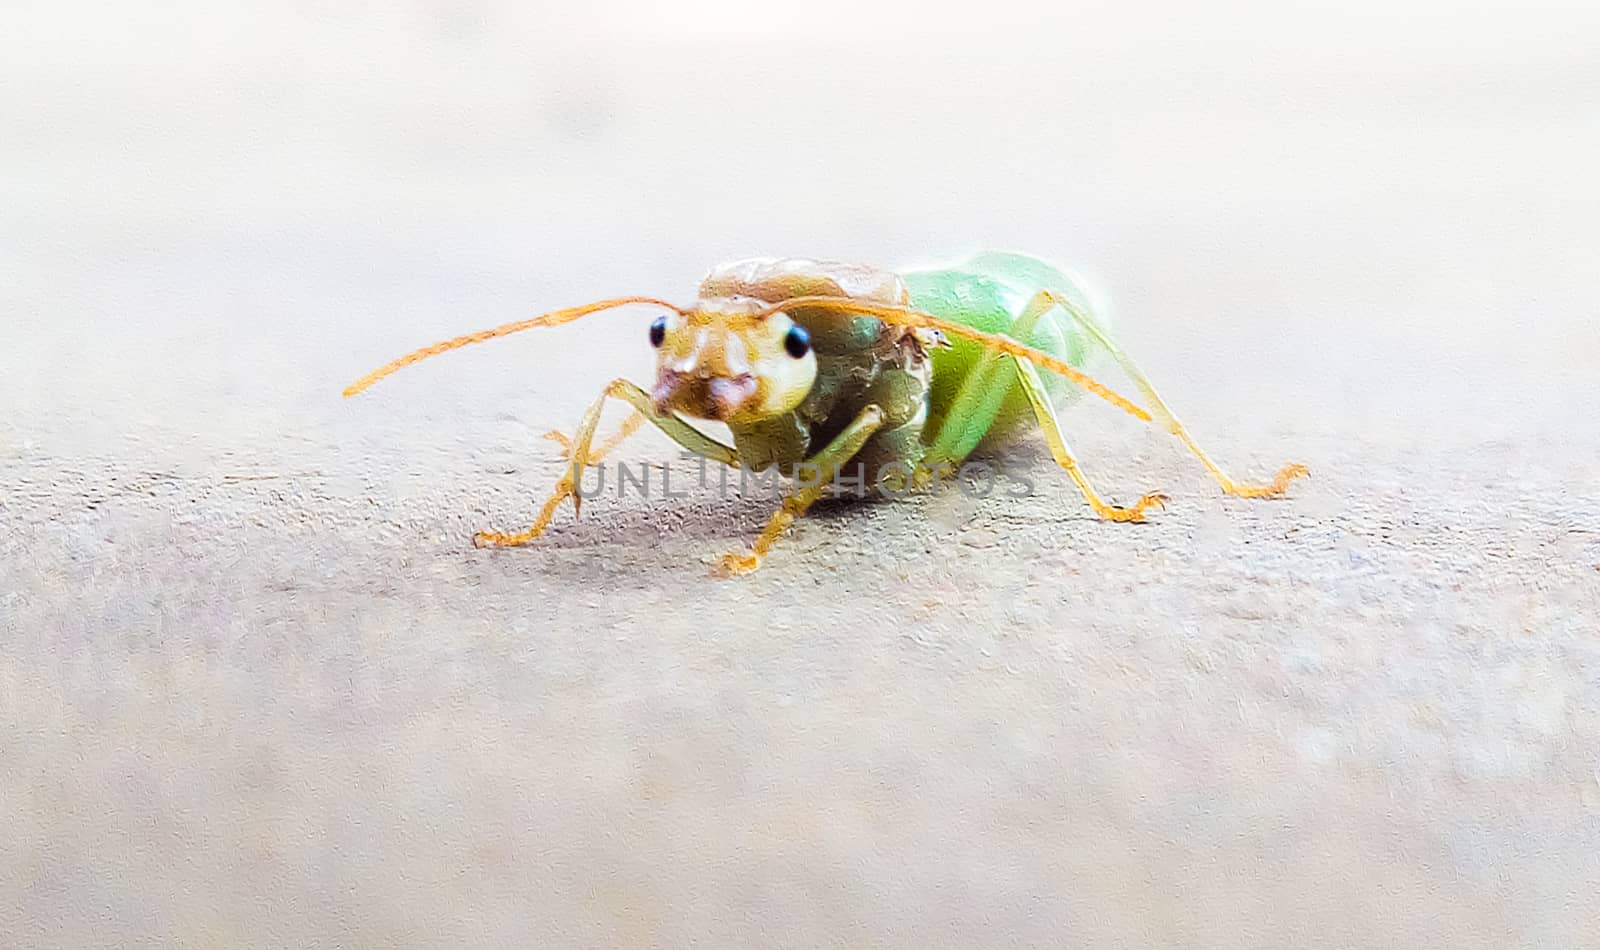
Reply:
x=817, y=366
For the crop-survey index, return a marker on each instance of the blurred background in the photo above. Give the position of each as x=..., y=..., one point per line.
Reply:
x=258, y=689
x=215, y=210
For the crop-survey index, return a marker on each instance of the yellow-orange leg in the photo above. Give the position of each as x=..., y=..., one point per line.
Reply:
x=1046, y=414
x=629, y=426
x=824, y=466
x=1163, y=414
x=581, y=454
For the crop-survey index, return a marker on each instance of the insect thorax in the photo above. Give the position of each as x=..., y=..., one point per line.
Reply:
x=861, y=361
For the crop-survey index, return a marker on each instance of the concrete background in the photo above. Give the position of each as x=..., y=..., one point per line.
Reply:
x=259, y=690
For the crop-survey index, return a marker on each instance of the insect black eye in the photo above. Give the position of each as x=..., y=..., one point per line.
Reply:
x=658, y=330
x=797, y=342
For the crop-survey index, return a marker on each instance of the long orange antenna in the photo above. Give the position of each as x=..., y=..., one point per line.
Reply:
x=906, y=317
x=551, y=319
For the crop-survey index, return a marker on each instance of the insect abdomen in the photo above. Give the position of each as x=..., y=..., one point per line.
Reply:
x=986, y=292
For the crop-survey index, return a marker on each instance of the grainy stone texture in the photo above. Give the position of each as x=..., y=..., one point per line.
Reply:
x=259, y=690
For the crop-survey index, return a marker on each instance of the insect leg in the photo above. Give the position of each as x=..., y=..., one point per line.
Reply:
x=629, y=426
x=581, y=455
x=827, y=463
x=1046, y=414
x=980, y=395
x=1163, y=414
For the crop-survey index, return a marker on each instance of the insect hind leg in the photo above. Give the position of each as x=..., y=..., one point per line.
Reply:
x=1039, y=398
x=1163, y=414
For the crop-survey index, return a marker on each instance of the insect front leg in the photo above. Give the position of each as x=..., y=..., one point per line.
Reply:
x=629, y=426
x=826, y=465
x=581, y=454
x=1163, y=414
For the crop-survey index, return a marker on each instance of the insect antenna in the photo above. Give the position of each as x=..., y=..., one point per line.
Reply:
x=906, y=317
x=551, y=319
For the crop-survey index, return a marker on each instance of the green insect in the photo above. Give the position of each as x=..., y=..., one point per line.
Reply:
x=820, y=368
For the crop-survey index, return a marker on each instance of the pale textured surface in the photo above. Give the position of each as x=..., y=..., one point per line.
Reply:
x=258, y=689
